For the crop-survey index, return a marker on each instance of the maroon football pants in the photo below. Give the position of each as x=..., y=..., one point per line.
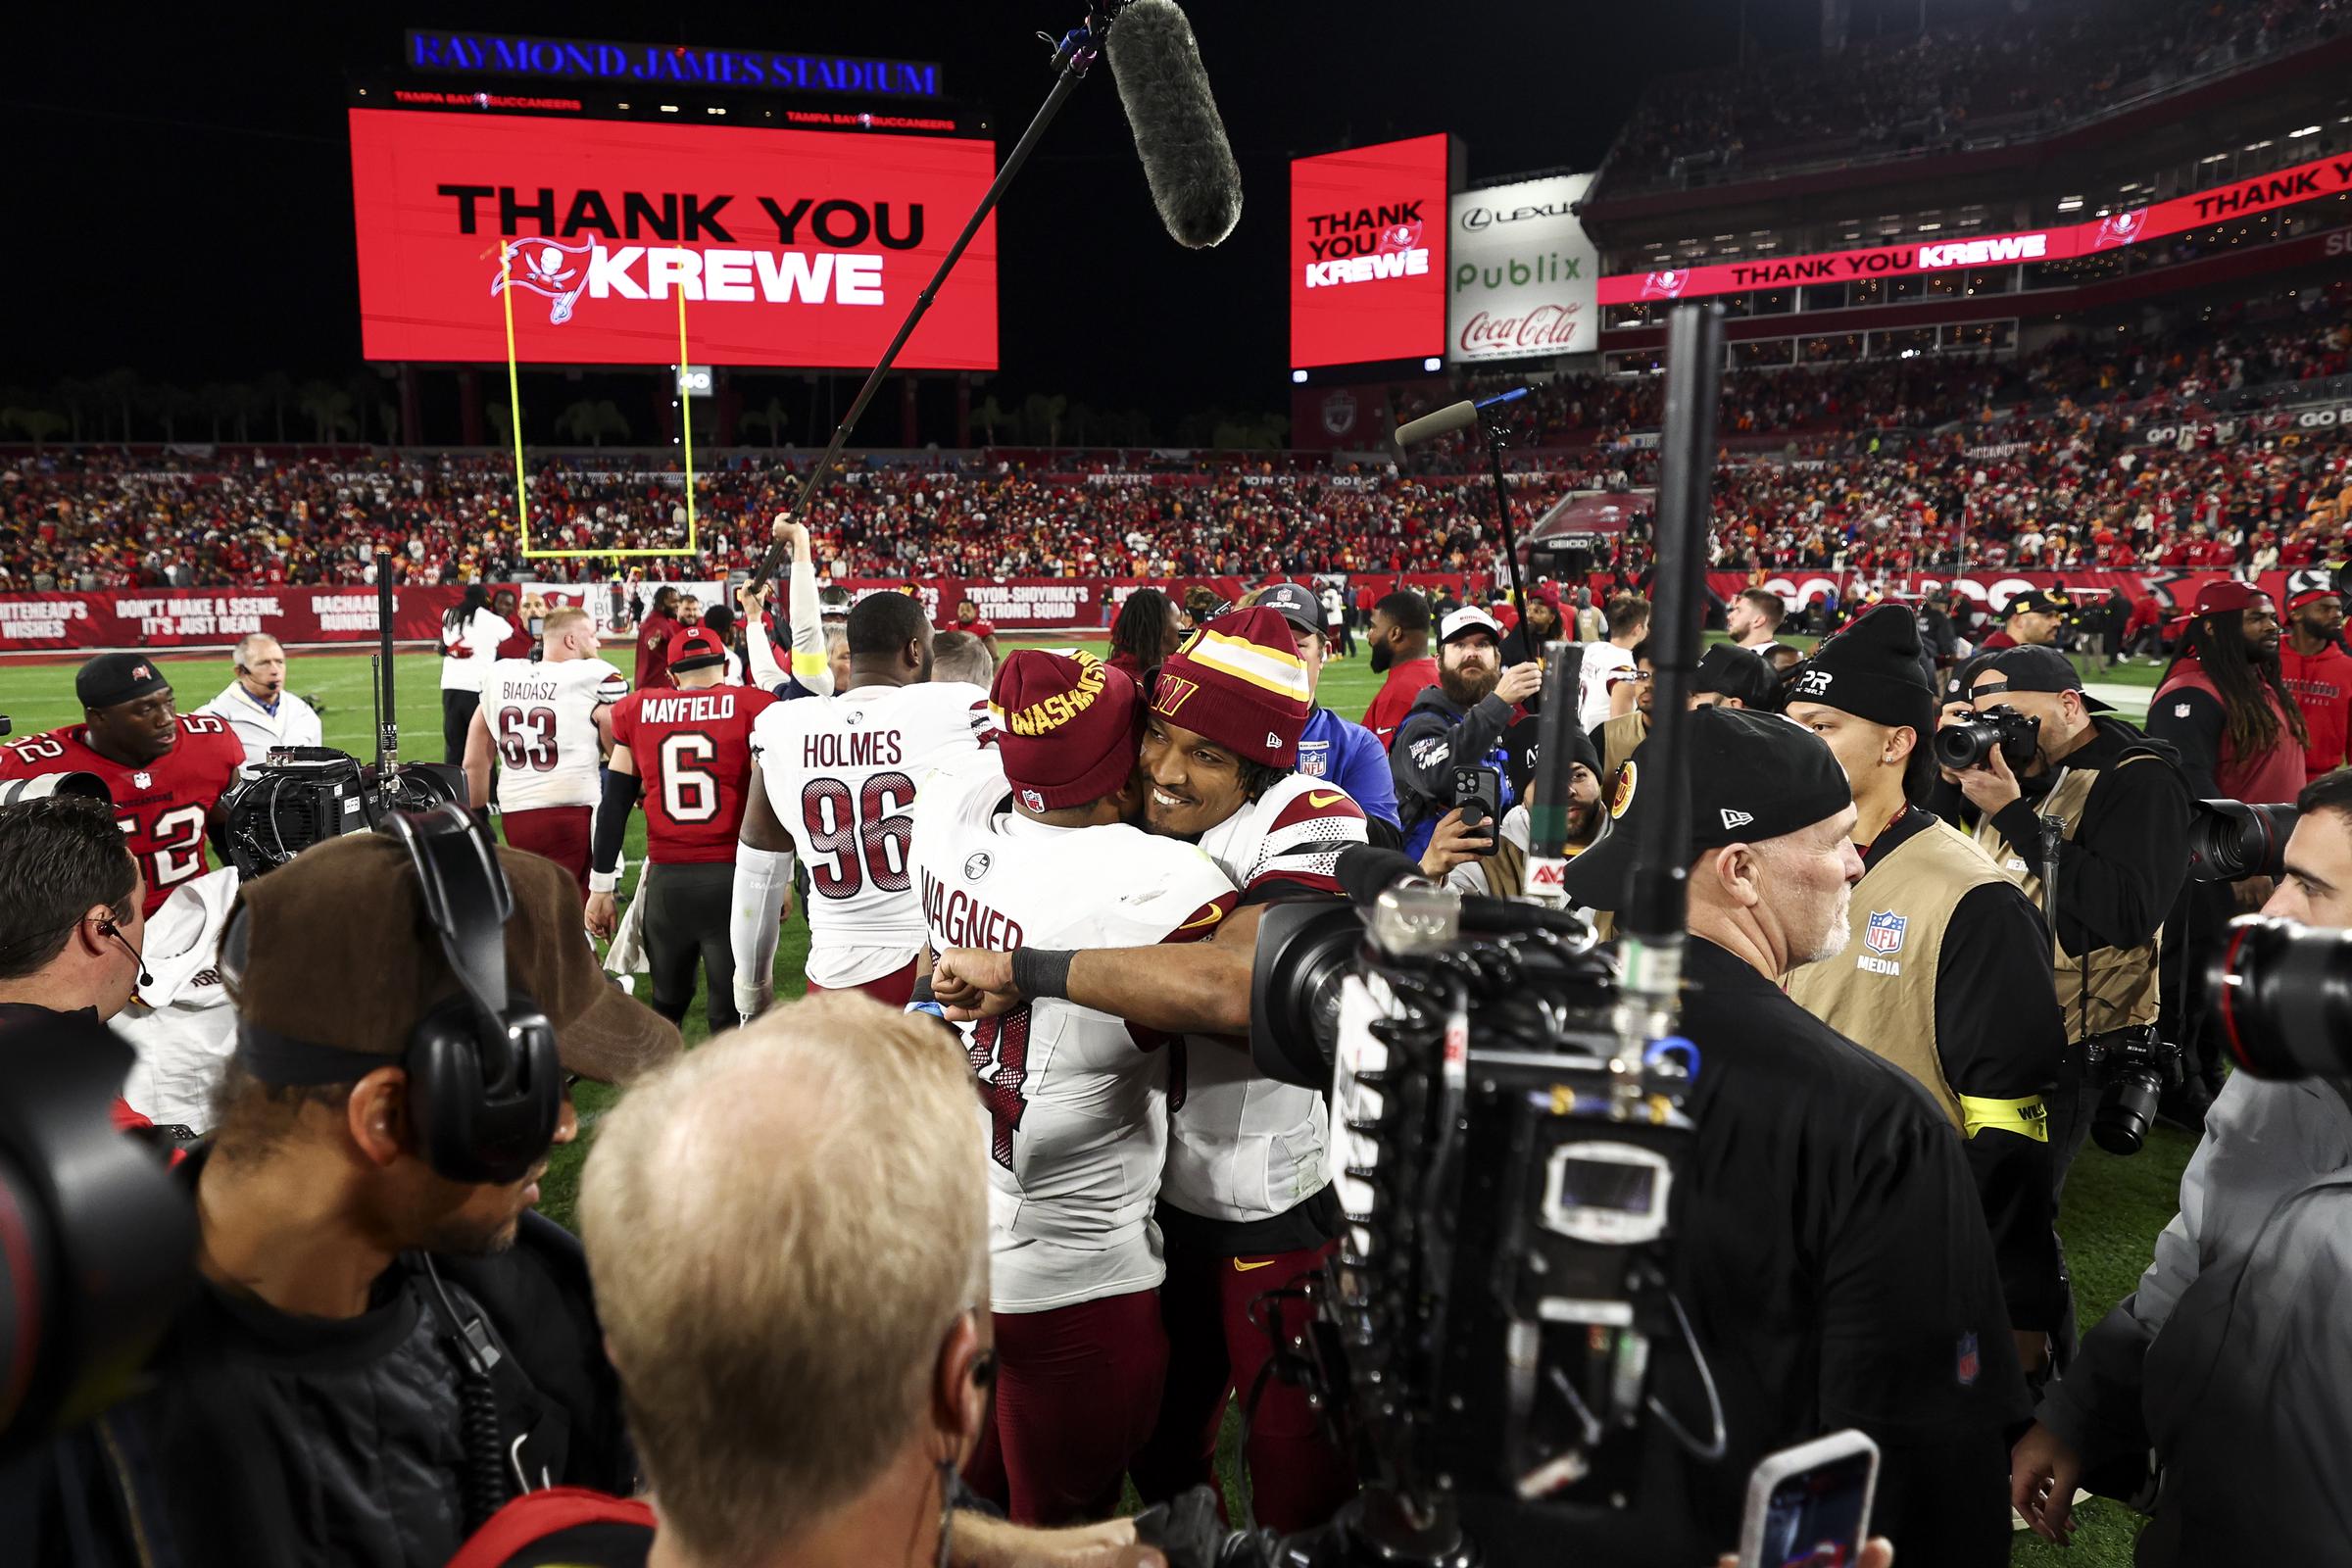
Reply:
x=558, y=832
x=1077, y=1390
x=1297, y=1477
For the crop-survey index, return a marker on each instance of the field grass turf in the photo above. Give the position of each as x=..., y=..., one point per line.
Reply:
x=2114, y=1207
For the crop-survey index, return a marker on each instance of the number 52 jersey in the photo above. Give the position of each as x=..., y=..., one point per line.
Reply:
x=162, y=806
x=1073, y=1101
x=841, y=773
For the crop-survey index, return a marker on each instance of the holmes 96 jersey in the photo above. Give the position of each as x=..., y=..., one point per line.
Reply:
x=1074, y=1103
x=1245, y=1148
x=842, y=773
x=693, y=751
x=161, y=806
x=542, y=719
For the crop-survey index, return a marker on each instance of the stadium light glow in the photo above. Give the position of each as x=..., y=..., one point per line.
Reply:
x=2307, y=131
x=2069, y=204
x=1433, y=365
x=1297, y=378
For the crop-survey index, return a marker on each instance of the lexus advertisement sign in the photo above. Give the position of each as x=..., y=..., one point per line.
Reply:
x=1367, y=254
x=1521, y=277
x=786, y=247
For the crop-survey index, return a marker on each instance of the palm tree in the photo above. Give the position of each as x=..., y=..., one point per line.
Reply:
x=277, y=390
x=214, y=402
x=990, y=415
x=77, y=394
x=591, y=422
x=244, y=403
x=771, y=416
x=119, y=389
x=170, y=404
x=1043, y=413
x=41, y=425
x=330, y=409
x=500, y=421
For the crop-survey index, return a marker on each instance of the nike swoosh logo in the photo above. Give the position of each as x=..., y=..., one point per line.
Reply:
x=1240, y=1267
x=1318, y=802
x=1208, y=918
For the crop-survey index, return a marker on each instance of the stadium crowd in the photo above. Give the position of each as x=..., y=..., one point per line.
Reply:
x=2023, y=72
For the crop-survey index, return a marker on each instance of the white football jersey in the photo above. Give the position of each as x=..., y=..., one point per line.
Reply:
x=1073, y=1101
x=842, y=773
x=542, y=721
x=1244, y=1146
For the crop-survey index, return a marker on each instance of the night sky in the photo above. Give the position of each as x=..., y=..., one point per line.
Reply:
x=179, y=190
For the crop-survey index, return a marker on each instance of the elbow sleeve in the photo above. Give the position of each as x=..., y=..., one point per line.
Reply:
x=762, y=878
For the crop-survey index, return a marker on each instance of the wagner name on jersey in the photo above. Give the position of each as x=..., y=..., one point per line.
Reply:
x=842, y=773
x=160, y=806
x=693, y=751
x=1073, y=1101
x=1244, y=1148
x=542, y=719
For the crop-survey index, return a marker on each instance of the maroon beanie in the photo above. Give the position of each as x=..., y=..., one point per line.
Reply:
x=1066, y=727
x=1238, y=681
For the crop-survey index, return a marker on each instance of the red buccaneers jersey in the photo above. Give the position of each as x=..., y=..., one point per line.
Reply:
x=161, y=807
x=693, y=751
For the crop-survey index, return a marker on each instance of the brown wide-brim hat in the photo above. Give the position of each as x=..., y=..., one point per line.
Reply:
x=338, y=953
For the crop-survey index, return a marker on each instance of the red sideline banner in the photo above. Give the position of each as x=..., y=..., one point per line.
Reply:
x=213, y=617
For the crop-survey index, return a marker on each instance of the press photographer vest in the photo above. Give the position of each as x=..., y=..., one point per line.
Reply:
x=1619, y=737
x=2122, y=986
x=1881, y=991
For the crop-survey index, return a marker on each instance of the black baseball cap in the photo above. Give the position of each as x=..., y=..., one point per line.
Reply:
x=1728, y=672
x=2039, y=600
x=2034, y=668
x=1293, y=603
x=1753, y=776
x=112, y=679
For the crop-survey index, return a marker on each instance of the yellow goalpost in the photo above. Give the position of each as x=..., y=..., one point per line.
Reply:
x=523, y=506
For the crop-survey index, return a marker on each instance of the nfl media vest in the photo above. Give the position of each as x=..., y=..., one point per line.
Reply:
x=2106, y=987
x=1881, y=991
x=1620, y=738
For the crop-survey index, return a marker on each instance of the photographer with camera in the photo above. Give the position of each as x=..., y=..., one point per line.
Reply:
x=1456, y=723
x=2232, y=1358
x=1474, y=852
x=387, y=1342
x=257, y=705
x=1951, y=977
x=2048, y=771
x=1877, y=1303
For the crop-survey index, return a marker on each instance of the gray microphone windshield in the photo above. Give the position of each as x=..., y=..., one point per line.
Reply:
x=1195, y=182
x=1447, y=419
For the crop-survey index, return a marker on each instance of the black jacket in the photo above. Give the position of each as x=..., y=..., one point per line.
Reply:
x=1438, y=736
x=262, y=1438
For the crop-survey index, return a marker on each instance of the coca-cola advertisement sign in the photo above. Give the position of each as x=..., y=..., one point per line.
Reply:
x=1521, y=279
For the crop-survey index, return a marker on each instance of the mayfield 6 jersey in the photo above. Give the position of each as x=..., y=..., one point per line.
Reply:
x=1245, y=1148
x=842, y=773
x=542, y=719
x=1073, y=1101
x=162, y=806
x=693, y=751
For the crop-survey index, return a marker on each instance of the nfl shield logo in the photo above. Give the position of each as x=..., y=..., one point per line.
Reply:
x=1883, y=935
x=1965, y=1368
x=141, y=780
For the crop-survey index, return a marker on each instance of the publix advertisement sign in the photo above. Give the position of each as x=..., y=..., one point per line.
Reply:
x=1520, y=273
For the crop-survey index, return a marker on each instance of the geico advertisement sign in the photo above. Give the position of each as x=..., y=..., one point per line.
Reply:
x=784, y=247
x=1522, y=278
x=1367, y=253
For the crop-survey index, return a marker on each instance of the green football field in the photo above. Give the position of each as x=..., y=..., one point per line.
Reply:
x=2114, y=1207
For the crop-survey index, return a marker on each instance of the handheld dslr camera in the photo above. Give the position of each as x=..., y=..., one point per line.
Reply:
x=1973, y=741
x=1484, y=1340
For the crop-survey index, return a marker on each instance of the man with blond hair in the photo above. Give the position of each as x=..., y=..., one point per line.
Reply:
x=547, y=726
x=803, y=1368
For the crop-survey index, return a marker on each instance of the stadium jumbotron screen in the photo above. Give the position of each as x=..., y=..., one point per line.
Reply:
x=1367, y=254
x=798, y=248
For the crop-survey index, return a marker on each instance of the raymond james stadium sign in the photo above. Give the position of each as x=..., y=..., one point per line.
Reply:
x=588, y=60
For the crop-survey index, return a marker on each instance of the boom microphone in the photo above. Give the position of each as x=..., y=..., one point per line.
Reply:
x=1189, y=165
x=1452, y=417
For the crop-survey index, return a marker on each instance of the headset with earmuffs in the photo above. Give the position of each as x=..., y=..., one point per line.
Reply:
x=485, y=1087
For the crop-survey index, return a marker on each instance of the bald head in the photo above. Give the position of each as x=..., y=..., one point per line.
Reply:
x=776, y=1328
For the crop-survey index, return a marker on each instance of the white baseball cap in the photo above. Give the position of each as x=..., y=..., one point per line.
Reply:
x=1468, y=618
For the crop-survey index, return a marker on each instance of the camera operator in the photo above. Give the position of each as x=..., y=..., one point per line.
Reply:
x=2123, y=855
x=1491, y=858
x=2224, y=705
x=1875, y=1303
x=381, y=1347
x=257, y=705
x=1459, y=722
x=1950, y=978
x=2229, y=1360
x=70, y=929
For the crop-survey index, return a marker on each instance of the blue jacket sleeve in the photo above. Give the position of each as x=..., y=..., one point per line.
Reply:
x=1363, y=772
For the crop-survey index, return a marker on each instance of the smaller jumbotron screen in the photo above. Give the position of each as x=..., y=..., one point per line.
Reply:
x=790, y=247
x=1367, y=254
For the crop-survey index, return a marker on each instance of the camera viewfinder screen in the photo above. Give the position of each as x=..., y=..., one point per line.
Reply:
x=1607, y=1183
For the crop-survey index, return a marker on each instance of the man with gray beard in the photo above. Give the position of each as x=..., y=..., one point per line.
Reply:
x=1830, y=1250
